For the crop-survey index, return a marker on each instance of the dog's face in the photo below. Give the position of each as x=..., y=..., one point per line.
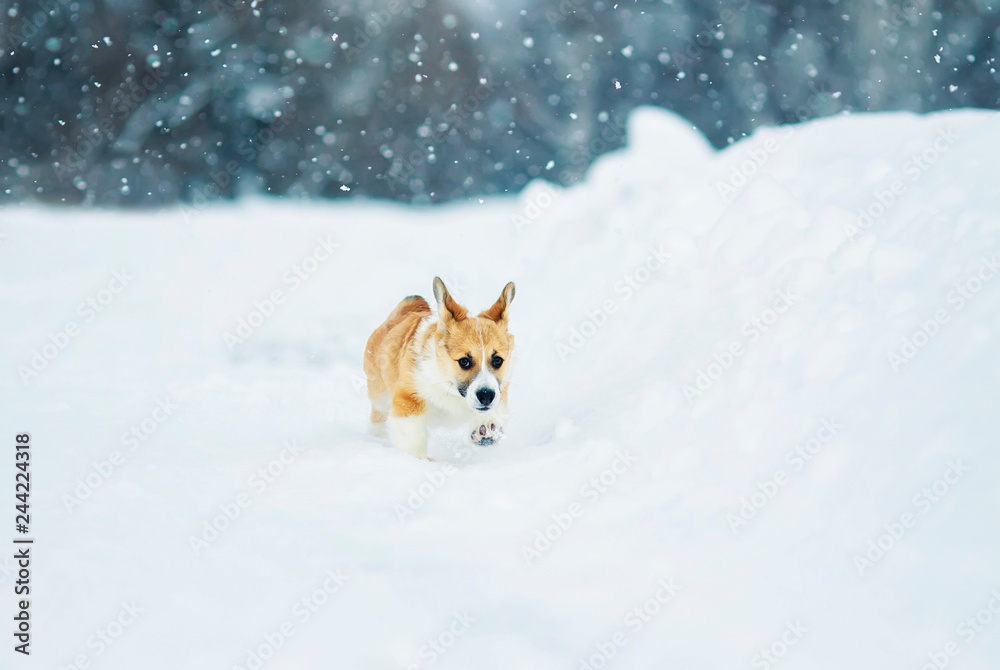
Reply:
x=474, y=352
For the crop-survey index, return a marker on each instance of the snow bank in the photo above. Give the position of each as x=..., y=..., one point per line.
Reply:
x=754, y=418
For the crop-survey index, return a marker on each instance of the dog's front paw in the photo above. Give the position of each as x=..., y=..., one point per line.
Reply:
x=486, y=434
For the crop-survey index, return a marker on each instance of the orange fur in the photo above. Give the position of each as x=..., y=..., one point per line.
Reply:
x=388, y=367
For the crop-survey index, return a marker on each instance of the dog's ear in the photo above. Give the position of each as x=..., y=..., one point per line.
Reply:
x=498, y=312
x=448, y=309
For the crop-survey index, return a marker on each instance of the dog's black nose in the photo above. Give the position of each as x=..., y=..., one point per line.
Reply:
x=485, y=396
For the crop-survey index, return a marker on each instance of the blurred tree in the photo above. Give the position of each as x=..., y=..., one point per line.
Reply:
x=151, y=102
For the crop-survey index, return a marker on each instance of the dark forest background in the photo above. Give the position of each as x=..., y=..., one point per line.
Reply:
x=144, y=103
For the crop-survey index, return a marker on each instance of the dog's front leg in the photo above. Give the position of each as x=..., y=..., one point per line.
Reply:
x=408, y=424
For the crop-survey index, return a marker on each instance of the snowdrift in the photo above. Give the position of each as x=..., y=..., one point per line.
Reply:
x=754, y=418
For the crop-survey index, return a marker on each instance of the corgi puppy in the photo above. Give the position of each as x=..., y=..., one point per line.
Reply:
x=447, y=367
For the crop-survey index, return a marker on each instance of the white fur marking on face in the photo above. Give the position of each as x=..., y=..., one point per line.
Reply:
x=485, y=379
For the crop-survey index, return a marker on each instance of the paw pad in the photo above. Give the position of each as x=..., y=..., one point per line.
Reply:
x=486, y=435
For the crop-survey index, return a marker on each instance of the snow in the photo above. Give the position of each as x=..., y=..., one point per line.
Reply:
x=635, y=290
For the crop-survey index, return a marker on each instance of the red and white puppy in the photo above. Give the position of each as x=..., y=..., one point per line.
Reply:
x=445, y=368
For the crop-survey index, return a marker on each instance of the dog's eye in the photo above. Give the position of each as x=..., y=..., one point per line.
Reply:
x=496, y=362
x=465, y=362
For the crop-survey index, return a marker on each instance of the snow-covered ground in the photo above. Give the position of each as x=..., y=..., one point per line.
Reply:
x=758, y=429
